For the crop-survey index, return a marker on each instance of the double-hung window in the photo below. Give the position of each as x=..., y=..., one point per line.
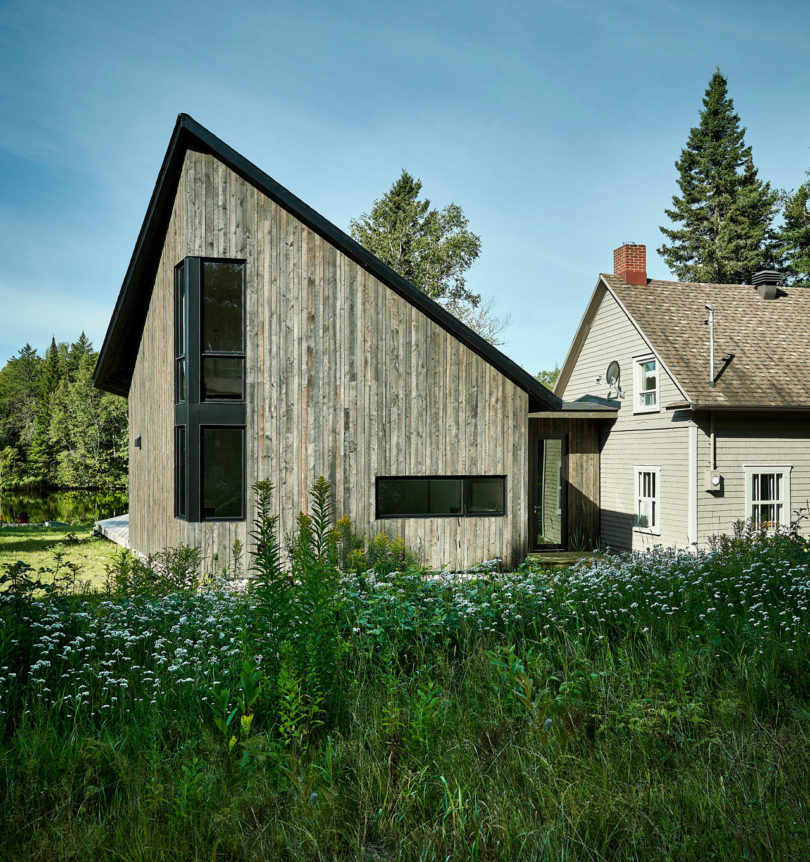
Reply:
x=647, y=512
x=209, y=375
x=767, y=496
x=645, y=396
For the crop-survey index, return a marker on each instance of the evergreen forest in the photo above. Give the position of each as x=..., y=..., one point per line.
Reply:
x=56, y=429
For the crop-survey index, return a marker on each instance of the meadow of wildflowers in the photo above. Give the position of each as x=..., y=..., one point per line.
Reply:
x=651, y=706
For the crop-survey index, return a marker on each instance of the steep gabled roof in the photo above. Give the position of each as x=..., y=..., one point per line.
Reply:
x=761, y=347
x=116, y=361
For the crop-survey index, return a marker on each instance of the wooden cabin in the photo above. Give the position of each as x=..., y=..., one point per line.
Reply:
x=255, y=340
x=712, y=428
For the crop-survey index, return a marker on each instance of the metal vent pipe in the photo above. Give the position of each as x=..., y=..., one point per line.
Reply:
x=711, y=345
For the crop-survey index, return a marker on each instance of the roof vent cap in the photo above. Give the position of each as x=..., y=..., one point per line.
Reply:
x=766, y=282
x=766, y=276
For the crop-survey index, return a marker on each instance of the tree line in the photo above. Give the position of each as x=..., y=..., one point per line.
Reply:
x=56, y=428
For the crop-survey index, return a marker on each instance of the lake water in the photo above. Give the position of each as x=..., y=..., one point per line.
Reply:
x=71, y=507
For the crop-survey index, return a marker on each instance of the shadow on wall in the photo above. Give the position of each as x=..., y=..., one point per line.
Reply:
x=583, y=520
x=617, y=532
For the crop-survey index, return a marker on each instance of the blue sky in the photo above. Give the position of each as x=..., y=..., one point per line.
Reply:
x=554, y=125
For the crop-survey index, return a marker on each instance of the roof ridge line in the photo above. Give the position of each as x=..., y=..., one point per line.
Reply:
x=187, y=127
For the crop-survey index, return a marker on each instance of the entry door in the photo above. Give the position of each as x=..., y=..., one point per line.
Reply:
x=549, y=486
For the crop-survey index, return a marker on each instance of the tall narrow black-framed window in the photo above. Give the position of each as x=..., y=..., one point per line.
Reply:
x=180, y=471
x=222, y=457
x=180, y=330
x=222, y=331
x=210, y=375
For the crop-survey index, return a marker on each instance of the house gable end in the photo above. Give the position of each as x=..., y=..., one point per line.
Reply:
x=117, y=356
x=580, y=336
x=607, y=332
x=335, y=386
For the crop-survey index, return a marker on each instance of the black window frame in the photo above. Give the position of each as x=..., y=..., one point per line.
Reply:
x=243, y=429
x=180, y=472
x=220, y=354
x=180, y=332
x=194, y=413
x=465, y=496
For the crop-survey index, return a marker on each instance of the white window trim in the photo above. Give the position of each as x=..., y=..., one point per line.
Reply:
x=785, y=470
x=638, y=407
x=655, y=529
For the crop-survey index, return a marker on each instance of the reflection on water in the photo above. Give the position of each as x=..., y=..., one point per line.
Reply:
x=72, y=507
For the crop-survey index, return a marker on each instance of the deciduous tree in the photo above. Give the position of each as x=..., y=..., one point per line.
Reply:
x=548, y=377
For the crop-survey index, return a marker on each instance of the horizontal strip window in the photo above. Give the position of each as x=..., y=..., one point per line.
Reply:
x=440, y=496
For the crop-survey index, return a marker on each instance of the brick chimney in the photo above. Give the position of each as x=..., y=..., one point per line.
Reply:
x=630, y=263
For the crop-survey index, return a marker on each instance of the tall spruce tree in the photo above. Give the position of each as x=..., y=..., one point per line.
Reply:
x=793, y=239
x=430, y=248
x=42, y=453
x=76, y=354
x=19, y=405
x=89, y=431
x=724, y=210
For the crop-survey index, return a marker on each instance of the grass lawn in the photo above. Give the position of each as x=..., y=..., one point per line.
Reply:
x=35, y=546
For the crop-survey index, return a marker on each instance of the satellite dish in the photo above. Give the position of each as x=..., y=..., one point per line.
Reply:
x=612, y=378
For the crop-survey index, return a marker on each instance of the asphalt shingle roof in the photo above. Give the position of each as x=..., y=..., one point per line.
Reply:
x=761, y=346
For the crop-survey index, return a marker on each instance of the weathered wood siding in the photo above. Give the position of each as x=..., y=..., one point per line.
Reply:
x=779, y=441
x=583, y=489
x=641, y=439
x=344, y=378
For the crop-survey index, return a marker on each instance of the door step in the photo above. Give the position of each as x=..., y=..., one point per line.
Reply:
x=561, y=559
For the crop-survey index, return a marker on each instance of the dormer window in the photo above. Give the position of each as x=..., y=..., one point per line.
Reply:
x=646, y=385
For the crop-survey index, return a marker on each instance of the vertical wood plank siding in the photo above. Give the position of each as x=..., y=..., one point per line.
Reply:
x=583, y=474
x=344, y=378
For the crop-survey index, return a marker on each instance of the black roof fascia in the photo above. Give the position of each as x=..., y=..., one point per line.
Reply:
x=117, y=361
x=602, y=405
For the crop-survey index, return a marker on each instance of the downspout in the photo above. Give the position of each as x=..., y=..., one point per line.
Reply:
x=713, y=441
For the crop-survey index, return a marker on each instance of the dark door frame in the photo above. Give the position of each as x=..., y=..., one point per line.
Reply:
x=533, y=477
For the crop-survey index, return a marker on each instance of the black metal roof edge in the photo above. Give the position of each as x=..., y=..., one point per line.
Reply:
x=187, y=129
x=593, y=402
x=103, y=375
